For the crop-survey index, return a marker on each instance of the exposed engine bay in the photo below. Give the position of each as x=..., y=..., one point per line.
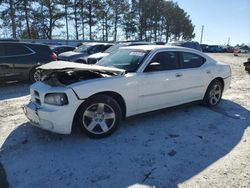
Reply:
x=67, y=77
x=61, y=73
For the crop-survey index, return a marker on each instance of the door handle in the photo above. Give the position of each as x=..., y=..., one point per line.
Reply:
x=178, y=75
x=208, y=72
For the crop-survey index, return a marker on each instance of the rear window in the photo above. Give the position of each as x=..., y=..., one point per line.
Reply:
x=39, y=48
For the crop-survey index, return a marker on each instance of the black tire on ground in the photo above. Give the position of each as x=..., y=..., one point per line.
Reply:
x=213, y=94
x=99, y=116
x=35, y=75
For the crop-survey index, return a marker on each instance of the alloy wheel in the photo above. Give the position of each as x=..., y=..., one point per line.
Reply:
x=215, y=94
x=99, y=118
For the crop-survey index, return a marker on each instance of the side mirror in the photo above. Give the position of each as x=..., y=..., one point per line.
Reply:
x=153, y=66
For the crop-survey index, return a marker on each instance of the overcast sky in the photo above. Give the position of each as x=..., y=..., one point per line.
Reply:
x=221, y=19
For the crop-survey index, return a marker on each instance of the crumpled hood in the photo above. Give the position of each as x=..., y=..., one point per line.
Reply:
x=98, y=55
x=61, y=65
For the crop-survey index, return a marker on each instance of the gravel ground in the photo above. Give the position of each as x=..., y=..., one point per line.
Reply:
x=185, y=146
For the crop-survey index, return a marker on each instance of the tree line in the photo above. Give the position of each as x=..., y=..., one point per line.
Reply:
x=149, y=20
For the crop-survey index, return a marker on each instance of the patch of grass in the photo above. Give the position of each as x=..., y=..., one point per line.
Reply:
x=3, y=178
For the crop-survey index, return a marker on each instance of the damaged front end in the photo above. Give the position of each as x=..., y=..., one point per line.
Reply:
x=61, y=73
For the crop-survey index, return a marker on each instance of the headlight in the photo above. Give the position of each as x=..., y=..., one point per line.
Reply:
x=58, y=99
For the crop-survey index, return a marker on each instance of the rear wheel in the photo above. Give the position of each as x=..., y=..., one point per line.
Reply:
x=99, y=116
x=213, y=94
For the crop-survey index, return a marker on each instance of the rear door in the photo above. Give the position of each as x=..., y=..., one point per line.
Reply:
x=22, y=59
x=5, y=66
x=194, y=76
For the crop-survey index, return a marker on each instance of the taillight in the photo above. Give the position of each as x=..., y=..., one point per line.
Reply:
x=54, y=56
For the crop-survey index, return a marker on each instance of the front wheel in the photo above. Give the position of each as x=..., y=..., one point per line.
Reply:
x=213, y=94
x=99, y=116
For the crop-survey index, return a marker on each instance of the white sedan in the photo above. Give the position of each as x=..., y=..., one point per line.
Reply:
x=129, y=81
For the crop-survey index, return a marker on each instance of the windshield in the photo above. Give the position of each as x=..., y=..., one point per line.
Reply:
x=82, y=48
x=113, y=48
x=127, y=59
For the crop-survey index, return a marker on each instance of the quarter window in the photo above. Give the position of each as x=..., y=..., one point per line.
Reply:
x=190, y=60
x=163, y=61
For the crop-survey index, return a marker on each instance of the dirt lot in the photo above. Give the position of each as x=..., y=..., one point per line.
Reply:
x=185, y=146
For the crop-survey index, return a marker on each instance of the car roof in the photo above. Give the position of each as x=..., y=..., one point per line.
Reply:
x=144, y=47
x=166, y=47
x=96, y=43
x=154, y=47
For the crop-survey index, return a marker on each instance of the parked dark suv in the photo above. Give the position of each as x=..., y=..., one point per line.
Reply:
x=18, y=61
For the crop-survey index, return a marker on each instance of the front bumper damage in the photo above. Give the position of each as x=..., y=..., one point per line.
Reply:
x=57, y=119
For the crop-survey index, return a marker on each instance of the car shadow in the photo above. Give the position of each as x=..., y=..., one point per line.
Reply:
x=13, y=90
x=162, y=148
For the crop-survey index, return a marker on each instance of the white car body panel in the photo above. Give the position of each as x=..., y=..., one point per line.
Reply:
x=141, y=91
x=49, y=117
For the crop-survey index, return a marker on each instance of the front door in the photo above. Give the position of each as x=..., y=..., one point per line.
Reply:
x=160, y=82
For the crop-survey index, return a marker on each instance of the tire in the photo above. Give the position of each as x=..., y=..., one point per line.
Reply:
x=35, y=75
x=213, y=94
x=99, y=116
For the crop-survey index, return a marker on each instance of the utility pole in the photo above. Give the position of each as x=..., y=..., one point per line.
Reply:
x=228, y=41
x=202, y=29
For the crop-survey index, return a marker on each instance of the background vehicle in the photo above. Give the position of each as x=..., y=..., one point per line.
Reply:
x=60, y=49
x=247, y=65
x=203, y=47
x=228, y=49
x=241, y=50
x=92, y=59
x=19, y=60
x=187, y=44
x=214, y=49
x=81, y=53
x=129, y=81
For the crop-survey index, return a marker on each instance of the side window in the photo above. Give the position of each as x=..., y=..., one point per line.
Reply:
x=190, y=60
x=163, y=61
x=16, y=49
